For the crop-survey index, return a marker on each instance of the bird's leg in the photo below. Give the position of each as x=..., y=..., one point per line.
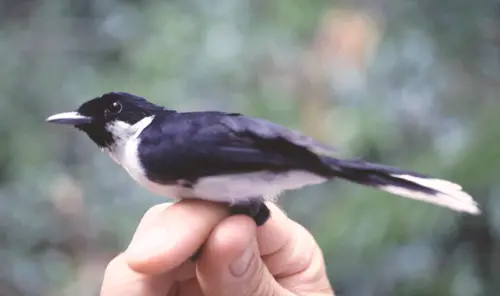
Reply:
x=255, y=209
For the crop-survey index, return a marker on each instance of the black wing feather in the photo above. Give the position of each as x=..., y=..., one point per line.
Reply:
x=197, y=144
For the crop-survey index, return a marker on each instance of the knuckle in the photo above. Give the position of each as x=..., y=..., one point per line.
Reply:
x=258, y=286
x=112, y=276
x=152, y=215
x=114, y=265
x=157, y=209
x=261, y=283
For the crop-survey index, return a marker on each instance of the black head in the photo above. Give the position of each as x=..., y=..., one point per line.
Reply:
x=96, y=116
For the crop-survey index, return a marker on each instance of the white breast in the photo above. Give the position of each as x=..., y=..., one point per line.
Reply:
x=125, y=153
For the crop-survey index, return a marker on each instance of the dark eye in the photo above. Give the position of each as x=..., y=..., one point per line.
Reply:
x=114, y=108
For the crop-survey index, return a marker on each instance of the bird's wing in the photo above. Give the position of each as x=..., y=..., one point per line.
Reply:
x=203, y=144
x=267, y=130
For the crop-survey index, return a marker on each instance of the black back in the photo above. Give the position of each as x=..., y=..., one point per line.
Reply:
x=197, y=144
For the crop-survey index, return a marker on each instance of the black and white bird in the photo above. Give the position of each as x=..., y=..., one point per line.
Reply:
x=232, y=158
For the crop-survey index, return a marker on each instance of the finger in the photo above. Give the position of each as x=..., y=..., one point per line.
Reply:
x=231, y=264
x=274, y=234
x=285, y=245
x=189, y=288
x=299, y=265
x=119, y=279
x=292, y=255
x=172, y=236
x=151, y=217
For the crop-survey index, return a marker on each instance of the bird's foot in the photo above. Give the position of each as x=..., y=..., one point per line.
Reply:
x=257, y=210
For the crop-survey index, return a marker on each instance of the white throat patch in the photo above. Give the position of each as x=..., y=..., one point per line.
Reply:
x=123, y=135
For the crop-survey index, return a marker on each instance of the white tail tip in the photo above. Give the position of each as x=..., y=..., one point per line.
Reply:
x=448, y=194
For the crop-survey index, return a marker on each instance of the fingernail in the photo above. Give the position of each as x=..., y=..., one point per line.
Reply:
x=156, y=240
x=240, y=266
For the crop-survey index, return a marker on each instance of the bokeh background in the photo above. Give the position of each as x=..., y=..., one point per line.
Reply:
x=410, y=83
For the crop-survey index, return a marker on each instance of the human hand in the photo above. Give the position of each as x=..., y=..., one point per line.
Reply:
x=280, y=258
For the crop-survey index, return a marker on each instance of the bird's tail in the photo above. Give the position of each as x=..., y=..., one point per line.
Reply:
x=405, y=184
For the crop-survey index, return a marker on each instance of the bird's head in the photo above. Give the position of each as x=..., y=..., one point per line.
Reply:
x=108, y=118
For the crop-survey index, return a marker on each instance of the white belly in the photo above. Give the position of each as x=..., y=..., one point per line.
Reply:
x=236, y=188
x=241, y=187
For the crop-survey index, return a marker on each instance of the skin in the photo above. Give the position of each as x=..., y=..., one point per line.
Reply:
x=280, y=258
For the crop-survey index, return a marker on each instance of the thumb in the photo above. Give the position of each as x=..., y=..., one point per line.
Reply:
x=231, y=264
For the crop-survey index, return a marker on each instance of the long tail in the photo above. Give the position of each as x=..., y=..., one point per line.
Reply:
x=404, y=183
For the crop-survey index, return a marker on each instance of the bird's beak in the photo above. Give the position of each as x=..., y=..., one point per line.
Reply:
x=71, y=118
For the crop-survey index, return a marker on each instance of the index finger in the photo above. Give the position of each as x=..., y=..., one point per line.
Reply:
x=165, y=241
x=287, y=247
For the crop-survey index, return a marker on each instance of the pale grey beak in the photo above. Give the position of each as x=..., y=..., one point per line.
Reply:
x=72, y=118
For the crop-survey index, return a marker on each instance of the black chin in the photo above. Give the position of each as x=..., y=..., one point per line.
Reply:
x=98, y=134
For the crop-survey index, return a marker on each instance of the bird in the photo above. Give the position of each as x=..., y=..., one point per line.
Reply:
x=234, y=159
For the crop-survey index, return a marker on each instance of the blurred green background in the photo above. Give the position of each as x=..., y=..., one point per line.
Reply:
x=410, y=83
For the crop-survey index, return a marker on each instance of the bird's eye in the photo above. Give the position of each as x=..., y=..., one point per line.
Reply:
x=114, y=108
